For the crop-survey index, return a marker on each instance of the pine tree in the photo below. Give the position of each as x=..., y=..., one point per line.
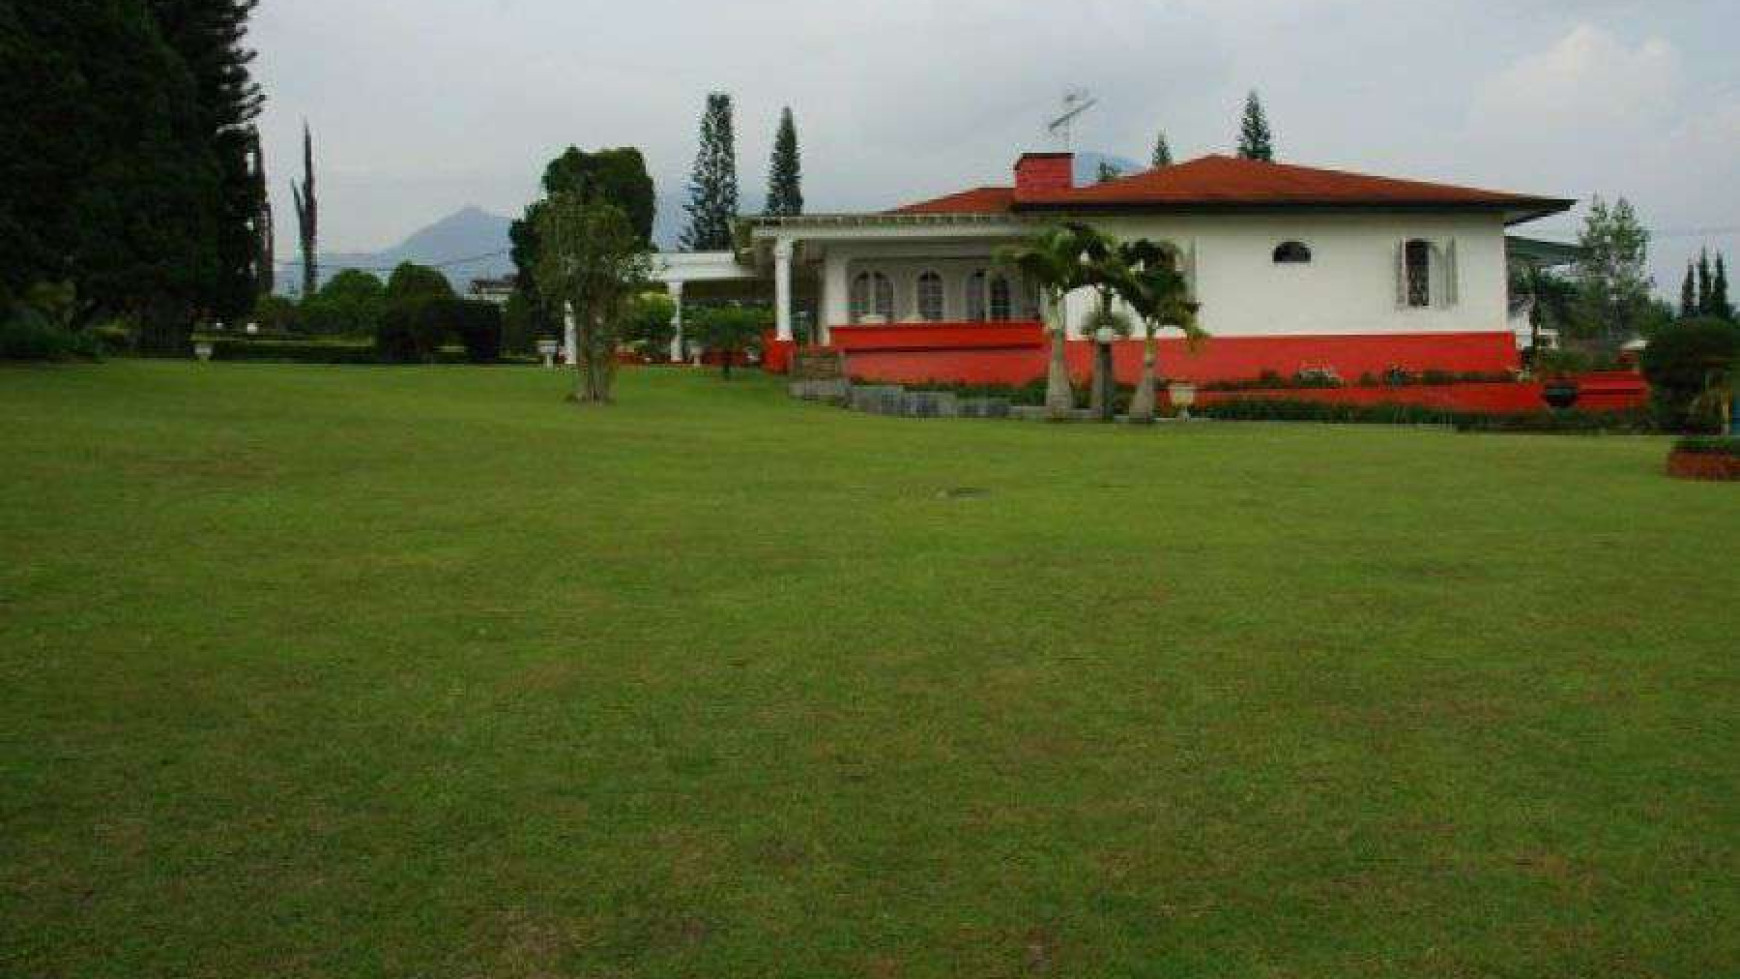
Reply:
x=1162, y=151
x=308, y=217
x=1705, y=283
x=1719, y=304
x=785, y=194
x=265, y=232
x=1256, y=141
x=713, y=186
x=209, y=36
x=109, y=184
x=1689, y=293
x=1106, y=172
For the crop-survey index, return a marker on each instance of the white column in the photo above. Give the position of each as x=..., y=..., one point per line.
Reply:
x=570, y=336
x=782, y=249
x=836, y=293
x=675, y=288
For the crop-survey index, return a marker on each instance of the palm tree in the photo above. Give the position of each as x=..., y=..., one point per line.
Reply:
x=1057, y=260
x=1160, y=295
x=1721, y=387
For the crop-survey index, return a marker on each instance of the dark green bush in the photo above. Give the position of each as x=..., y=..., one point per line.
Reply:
x=27, y=334
x=476, y=324
x=1679, y=362
x=1265, y=409
x=408, y=333
x=1714, y=445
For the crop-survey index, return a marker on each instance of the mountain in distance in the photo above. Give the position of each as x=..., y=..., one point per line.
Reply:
x=470, y=243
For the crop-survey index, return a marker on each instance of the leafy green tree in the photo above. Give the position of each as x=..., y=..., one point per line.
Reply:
x=209, y=36
x=1055, y=260
x=608, y=176
x=592, y=262
x=729, y=331
x=785, y=194
x=1256, y=141
x=1162, y=151
x=712, y=203
x=411, y=282
x=521, y=324
x=1612, y=274
x=350, y=304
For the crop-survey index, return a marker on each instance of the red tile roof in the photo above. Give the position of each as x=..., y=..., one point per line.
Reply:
x=1224, y=181
x=979, y=200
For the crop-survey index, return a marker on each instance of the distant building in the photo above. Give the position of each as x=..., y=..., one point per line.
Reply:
x=492, y=290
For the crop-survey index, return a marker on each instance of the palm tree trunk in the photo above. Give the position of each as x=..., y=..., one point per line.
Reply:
x=1142, y=404
x=1059, y=396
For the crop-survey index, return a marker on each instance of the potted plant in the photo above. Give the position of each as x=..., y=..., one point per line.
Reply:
x=1183, y=395
x=1560, y=392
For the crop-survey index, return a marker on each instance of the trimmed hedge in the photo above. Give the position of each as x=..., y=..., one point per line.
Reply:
x=1709, y=445
x=1265, y=409
x=309, y=351
x=1679, y=361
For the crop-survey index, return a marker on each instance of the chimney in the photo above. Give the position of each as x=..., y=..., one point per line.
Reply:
x=1043, y=173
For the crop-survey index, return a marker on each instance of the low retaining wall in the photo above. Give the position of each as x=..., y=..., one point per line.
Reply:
x=1217, y=359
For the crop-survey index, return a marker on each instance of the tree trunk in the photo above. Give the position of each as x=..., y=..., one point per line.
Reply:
x=1059, y=396
x=1142, y=404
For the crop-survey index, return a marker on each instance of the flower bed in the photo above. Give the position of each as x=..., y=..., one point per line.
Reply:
x=1709, y=458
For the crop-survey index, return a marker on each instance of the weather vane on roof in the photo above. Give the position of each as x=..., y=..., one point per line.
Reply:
x=1075, y=102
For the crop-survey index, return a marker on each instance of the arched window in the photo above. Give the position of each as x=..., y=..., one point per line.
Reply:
x=1292, y=253
x=872, y=296
x=1417, y=273
x=976, y=297
x=930, y=297
x=1002, y=306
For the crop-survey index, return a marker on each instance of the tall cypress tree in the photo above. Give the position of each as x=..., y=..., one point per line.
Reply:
x=1162, y=151
x=1256, y=141
x=785, y=193
x=1719, y=304
x=210, y=35
x=265, y=231
x=713, y=186
x=1706, y=285
x=1689, y=293
x=308, y=217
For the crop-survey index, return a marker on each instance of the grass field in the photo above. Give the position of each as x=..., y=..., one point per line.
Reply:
x=422, y=672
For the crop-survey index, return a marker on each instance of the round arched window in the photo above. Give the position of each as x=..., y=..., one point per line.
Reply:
x=872, y=297
x=930, y=297
x=1292, y=253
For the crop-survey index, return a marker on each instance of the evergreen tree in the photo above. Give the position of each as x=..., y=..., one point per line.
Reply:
x=1256, y=141
x=109, y=182
x=1162, y=151
x=1106, y=172
x=1612, y=276
x=1689, y=293
x=308, y=217
x=1719, y=304
x=785, y=194
x=1705, y=283
x=209, y=36
x=713, y=186
x=265, y=231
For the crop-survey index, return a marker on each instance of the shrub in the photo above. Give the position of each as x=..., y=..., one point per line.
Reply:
x=1712, y=445
x=38, y=328
x=647, y=325
x=1679, y=362
x=477, y=324
x=1265, y=409
x=406, y=335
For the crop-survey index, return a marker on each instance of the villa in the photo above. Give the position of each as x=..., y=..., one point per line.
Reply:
x=1295, y=268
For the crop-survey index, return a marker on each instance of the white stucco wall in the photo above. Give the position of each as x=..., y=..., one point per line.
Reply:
x=1349, y=286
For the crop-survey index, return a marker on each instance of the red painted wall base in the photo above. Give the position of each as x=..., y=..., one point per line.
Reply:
x=1218, y=359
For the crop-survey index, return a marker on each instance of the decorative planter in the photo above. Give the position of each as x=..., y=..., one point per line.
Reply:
x=1708, y=466
x=203, y=350
x=1560, y=394
x=548, y=349
x=1183, y=396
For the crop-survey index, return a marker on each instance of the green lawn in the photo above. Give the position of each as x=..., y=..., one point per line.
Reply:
x=422, y=672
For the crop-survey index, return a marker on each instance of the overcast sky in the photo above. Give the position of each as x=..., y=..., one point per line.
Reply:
x=423, y=106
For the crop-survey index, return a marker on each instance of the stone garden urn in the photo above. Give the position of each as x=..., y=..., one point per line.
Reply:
x=547, y=349
x=202, y=349
x=1183, y=395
